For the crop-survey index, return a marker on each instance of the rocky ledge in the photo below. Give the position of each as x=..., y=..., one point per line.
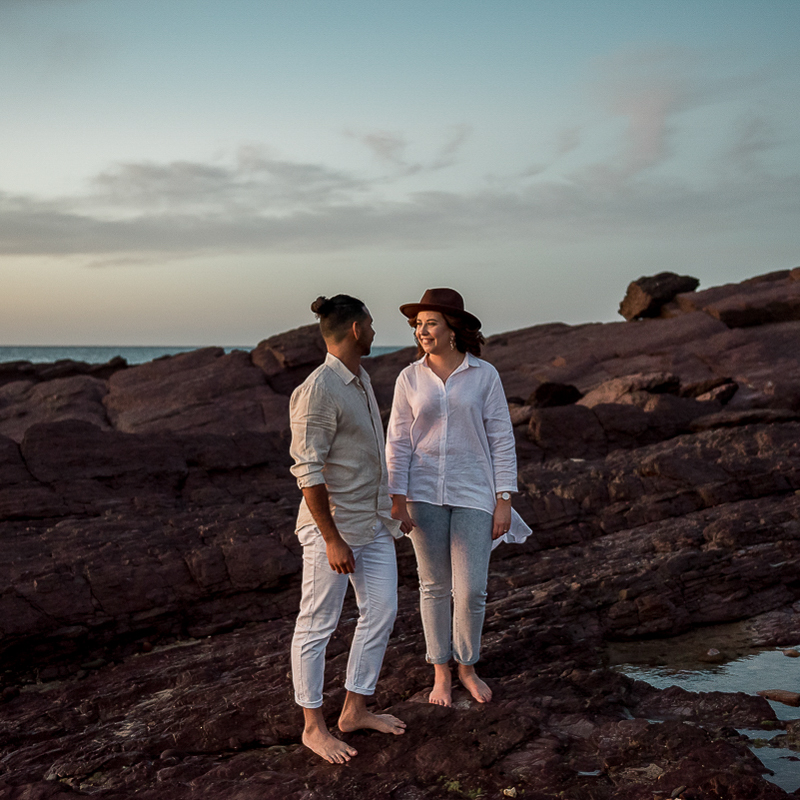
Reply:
x=150, y=569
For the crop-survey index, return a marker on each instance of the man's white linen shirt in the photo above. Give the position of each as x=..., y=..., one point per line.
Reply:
x=337, y=439
x=451, y=443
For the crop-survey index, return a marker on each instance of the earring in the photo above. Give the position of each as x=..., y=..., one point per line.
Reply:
x=452, y=342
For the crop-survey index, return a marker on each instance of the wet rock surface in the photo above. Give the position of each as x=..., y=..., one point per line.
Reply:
x=150, y=571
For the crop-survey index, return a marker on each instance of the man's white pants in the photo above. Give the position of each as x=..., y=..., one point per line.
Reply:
x=375, y=585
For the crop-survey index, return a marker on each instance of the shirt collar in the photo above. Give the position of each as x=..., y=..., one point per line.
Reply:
x=341, y=370
x=469, y=361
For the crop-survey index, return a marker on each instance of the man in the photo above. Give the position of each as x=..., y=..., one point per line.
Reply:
x=344, y=525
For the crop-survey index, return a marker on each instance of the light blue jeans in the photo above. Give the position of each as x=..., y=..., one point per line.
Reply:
x=453, y=546
x=375, y=584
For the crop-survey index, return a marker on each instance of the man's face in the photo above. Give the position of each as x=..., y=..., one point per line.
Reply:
x=366, y=334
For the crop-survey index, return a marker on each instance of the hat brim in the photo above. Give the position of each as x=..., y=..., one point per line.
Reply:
x=411, y=310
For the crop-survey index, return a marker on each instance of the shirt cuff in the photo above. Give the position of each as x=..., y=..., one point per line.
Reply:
x=313, y=479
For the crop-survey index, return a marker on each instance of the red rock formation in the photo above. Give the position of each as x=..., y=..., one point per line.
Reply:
x=150, y=569
x=646, y=296
x=204, y=391
x=765, y=299
x=24, y=403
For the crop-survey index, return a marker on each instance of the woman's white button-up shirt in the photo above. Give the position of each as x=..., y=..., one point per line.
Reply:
x=451, y=443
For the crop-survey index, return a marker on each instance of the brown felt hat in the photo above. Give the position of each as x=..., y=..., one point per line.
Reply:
x=446, y=301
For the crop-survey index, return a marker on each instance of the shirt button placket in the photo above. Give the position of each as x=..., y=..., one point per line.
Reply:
x=443, y=443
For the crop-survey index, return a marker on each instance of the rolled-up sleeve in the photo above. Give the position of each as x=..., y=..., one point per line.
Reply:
x=500, y=433
x=398, y=439
x=313, y=424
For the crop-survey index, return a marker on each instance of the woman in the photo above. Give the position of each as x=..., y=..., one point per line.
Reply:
x=452, y=468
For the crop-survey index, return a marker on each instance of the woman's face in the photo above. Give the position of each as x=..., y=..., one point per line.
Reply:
x=433, y=333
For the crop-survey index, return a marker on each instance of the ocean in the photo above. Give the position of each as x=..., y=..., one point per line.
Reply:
x=42, y=354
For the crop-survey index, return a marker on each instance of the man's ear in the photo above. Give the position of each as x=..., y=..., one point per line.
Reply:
x=355, y=329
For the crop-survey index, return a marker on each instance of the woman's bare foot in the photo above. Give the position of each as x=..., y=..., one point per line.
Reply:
x=441, y=694
x=473, y=684
x=355, y=717
x=326, y=745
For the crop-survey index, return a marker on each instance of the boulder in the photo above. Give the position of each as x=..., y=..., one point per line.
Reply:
x=11, y=371
x=588, y=355
x=695, y=348
x=200, y=391
x=646, y=296
x=622, y=413
x=21, y=495
x=74, y=451
x=631, y=389
x=550, y=395
x=26, y=402
x=765, y=299
x=287, y=359
x=12, y=467
x=568, y=432
x=781, y=696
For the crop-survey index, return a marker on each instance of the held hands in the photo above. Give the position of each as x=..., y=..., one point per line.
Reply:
x=400, y=513
x=501, y=520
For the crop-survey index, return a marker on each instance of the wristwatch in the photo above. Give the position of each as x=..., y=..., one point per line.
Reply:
x=504, y=495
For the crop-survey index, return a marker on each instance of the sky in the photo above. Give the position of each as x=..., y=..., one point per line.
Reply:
x=197, y=172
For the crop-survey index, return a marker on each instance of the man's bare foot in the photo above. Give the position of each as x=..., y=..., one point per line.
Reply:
x=326, y=745
x=441, y=694
x=355, y=717
x=473, y=684
x=384, y=723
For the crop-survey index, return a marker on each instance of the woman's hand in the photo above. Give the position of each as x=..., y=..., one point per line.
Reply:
x=400, y=512
x=501, y=520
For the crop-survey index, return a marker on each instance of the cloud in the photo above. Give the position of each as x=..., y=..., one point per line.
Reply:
x=447, y=155
x=255, y=202
x=754, y=137
x=653, y=91
x=588, y=205
x=648, y=113
x=646, y=88
x=390, y=148
x=569, y=139
x=254, y=181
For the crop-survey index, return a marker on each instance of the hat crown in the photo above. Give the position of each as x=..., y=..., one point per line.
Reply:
x=443, y=297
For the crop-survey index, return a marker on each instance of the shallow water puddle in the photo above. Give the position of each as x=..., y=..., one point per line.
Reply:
x=676, y=662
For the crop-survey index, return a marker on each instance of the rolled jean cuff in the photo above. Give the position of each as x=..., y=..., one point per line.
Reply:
x=359, y=689
x=311, y=704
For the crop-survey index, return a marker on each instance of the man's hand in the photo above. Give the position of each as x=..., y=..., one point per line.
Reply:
x=400, y=513
x=340, y=556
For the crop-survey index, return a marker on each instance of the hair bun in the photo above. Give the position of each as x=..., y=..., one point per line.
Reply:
x=320, y=304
